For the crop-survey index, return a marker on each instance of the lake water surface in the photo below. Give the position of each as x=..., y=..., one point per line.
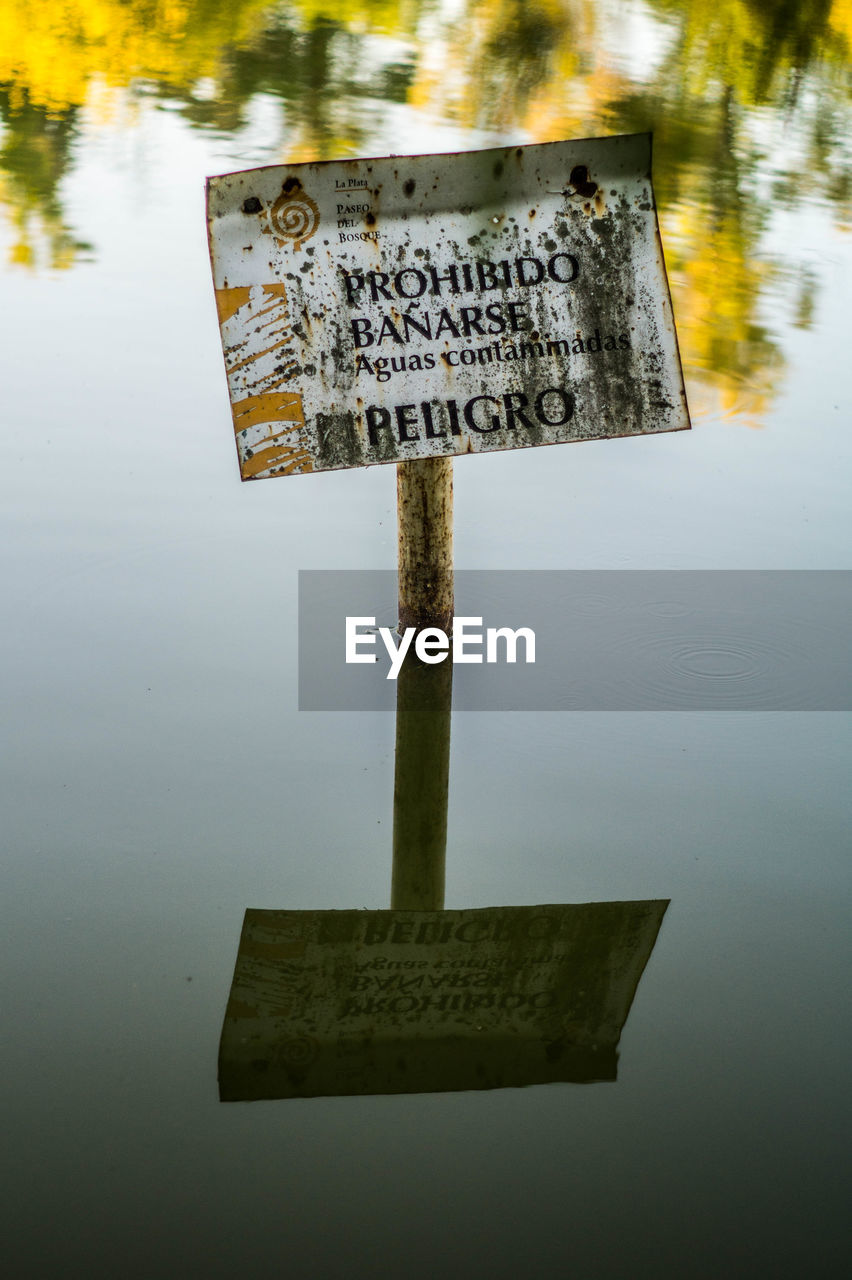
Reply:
x=159, y=778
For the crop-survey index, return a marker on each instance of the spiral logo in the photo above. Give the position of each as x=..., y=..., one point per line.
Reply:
x=294, y=216
x=300, y=1051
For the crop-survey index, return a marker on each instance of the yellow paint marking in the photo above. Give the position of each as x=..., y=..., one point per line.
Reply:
x=274, y=320
x=276, y=435
x=291, y=372
x=229, y=301
x=272, y=457
x=279, y=299
x=276, y=346
x=279, y=318
x=278, y=306
x=276, y=291
x=275, y=406
x=284, y=328
x=303, y=464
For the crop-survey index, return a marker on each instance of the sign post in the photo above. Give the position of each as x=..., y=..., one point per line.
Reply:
x=424, y=497
x=405, y=310
x=410, y=308
x=421, y=784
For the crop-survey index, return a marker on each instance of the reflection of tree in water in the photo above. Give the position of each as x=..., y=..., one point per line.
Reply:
x=521, y=44
x=55, y=51
x=51, y=57
x=760, y=47
x=208, y=57
x=730, y=69
x=35, y=151
x=729, y=58
x=704, y=177
x=536, y=65
x=320, y=73
x=790, y=56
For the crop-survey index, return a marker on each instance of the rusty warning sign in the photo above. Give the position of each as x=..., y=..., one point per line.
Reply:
x=379, y=310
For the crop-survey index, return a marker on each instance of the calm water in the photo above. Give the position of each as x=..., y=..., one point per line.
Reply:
x=158, y=778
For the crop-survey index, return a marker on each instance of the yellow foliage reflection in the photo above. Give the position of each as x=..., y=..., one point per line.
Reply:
x=50, y=53
x=708, y=76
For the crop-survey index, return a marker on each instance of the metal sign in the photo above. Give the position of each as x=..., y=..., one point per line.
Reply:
x=352, y=1002
x=387, y=309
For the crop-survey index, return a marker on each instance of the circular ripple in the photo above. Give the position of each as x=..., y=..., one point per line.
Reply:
x=714, y=671
x=718, y=660
x=668, y=608
x=596, y=605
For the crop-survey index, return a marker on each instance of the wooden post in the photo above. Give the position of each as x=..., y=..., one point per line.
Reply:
x=424, y=492
x=421, y=785
x=423, y=692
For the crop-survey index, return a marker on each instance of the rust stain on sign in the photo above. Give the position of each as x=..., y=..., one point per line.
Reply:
x=380, y=310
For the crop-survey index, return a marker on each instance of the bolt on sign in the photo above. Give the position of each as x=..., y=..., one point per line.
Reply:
x=379, y=310
x=352, y=1002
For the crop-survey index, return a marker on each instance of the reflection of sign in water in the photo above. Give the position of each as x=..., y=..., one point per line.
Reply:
x=348, y=1002
x=381, y=310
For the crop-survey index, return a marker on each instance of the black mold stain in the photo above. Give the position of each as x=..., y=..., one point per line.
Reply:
x=291, y=184
x=408, y=187
x=338, y=444
x=252, y=205
x=581, y=182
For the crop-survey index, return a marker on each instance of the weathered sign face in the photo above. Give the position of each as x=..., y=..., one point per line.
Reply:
x=348, y=1002
x=381, y=310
